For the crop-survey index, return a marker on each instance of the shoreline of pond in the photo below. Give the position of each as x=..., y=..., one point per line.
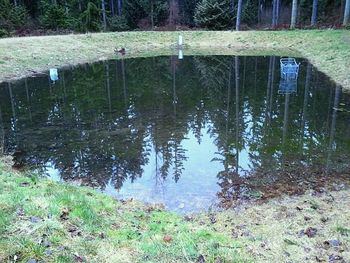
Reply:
x=328, y=50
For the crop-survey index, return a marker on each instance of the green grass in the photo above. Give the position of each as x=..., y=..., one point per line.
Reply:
x=53, y=222
x=328, y=50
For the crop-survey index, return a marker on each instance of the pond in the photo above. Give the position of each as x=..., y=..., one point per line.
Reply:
x=193, y=134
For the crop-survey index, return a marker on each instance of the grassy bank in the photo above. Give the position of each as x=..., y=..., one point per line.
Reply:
x=46, y=221
x=328, y=50
x=51, y=222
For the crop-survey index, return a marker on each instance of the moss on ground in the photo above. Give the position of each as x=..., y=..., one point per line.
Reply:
x=328, y=50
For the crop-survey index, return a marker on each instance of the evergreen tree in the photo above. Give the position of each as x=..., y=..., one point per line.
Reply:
x=214, y=14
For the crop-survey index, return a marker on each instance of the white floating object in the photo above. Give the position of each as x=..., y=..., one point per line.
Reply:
x=181, y=54
x=53, y=74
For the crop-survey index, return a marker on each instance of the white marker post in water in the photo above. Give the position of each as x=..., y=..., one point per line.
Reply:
x=181, y=41
x=180, y=46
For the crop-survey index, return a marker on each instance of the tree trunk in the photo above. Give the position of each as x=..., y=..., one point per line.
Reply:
x=120, y=6
x=346, y=13
x=259, y=12
x=112, y=7
x=314, y=13
x=104, y=15
x=239, y=12
x=152, y=14
x=294, y=14
x=275, y=12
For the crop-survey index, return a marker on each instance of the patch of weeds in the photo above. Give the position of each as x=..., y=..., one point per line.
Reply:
x=64, y=259
x=5, y=219
x=343, y=230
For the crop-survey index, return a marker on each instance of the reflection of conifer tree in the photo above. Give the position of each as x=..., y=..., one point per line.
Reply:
x=178, y=134
x=108, y=87
x=333, y=124
x=285, y=125
x=229, y=179
x=28, y=100
x=12, y=105
x=2, y=135
x=305, y=103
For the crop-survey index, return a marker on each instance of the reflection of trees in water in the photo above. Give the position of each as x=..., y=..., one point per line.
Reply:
x=100, y=123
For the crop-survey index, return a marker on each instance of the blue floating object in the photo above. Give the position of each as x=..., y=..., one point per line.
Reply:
x=53, y=74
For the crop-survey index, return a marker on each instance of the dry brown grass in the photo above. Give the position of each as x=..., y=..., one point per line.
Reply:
x=272, y=232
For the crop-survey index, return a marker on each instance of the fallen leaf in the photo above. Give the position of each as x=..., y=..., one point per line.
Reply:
x=167, y=238
x=310, y=232
x=65, y=214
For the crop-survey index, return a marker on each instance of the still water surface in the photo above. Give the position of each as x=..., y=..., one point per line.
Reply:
x=187, y=133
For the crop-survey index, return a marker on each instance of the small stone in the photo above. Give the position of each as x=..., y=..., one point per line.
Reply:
x=32, y=260
x=48, y=252
x=307, y=218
